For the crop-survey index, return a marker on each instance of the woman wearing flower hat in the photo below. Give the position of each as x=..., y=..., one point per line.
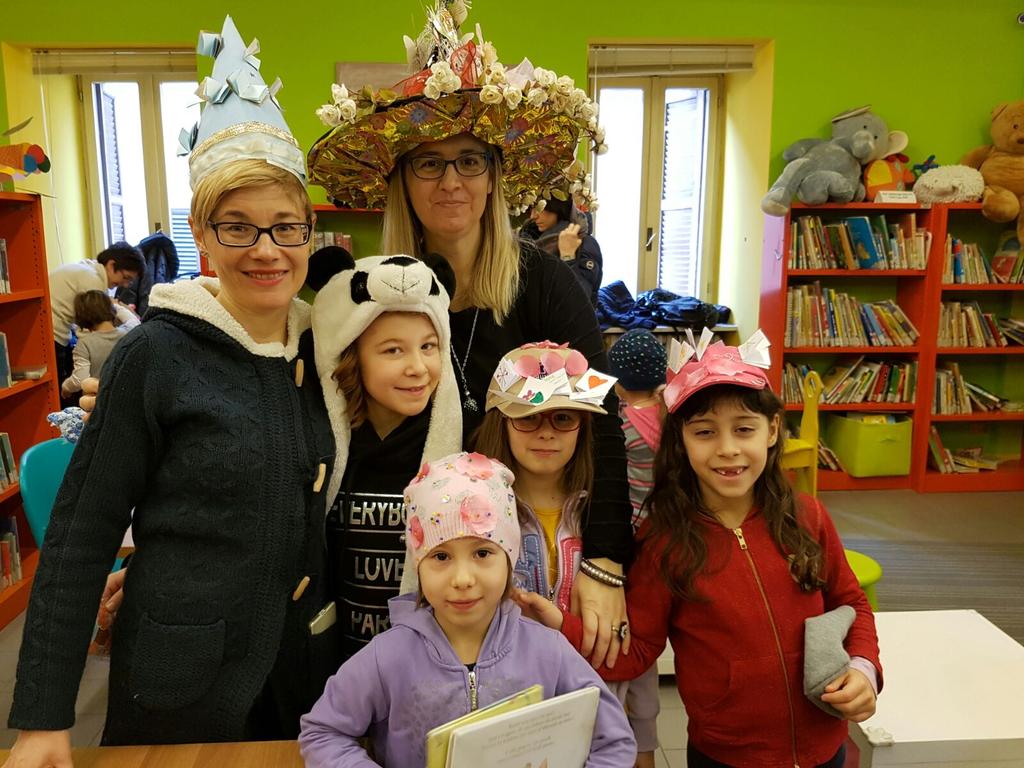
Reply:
x=448, y=155
x=220, y=443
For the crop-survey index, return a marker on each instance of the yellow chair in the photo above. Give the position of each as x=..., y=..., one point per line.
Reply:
x=868, y=573
x=801, y=453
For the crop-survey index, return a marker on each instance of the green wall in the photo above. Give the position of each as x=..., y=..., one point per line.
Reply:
x=910, y=58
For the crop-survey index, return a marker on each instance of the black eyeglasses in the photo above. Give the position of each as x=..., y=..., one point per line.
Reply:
x=431, y=167
x=560, y=421
x=238, y=235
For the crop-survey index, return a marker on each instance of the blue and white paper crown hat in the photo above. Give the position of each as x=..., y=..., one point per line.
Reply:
x=242, y=119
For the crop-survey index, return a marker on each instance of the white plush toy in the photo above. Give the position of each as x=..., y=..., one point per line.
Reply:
x=950, y=184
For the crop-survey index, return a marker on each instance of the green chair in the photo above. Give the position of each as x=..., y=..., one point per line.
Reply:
x=42, y=470
x=868, y=573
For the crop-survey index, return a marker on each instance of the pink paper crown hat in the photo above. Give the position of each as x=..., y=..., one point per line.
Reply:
x=693, y=366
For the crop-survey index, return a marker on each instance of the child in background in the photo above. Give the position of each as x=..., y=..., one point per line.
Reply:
x=638, y=360
x=731, y=565
x=382, y=343
x=94, y=316
x=461, y=643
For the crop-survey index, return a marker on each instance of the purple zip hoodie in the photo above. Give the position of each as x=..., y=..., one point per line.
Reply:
x=409, y=680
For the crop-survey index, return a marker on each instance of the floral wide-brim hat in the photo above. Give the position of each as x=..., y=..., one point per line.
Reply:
x=533, y=116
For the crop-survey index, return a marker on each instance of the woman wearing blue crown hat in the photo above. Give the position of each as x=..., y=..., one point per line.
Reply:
x=221, y=442
x=449, y=154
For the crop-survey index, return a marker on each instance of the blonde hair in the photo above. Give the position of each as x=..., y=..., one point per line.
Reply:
x=495, y=283
x=240, y=174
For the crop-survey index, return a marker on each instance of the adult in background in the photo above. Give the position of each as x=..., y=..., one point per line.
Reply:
x=465, y=142
x=219, y=440
x=116, y=266
x=559, y=229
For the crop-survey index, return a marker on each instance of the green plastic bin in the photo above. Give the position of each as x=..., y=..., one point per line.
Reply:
x=870, y=450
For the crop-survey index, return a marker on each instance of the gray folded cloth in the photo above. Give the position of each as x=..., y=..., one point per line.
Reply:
x=825, y=659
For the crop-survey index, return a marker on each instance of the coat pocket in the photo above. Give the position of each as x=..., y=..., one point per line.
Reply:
x=174, y=665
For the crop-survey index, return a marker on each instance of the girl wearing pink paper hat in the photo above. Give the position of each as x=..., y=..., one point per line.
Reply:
x=461, y=643
x=731, y=565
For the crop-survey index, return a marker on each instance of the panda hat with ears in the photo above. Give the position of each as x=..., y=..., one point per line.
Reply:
x=351, y=295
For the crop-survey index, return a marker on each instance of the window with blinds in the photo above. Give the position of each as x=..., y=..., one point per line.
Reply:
x=659, y=106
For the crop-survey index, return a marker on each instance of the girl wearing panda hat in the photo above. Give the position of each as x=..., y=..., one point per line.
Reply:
x=382, y=340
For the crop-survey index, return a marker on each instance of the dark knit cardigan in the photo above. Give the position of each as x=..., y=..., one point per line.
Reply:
x=206, y=435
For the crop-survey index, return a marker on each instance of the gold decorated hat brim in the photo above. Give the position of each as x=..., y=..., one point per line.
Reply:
x=352, y=162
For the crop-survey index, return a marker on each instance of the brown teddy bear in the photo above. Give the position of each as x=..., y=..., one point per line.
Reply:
x=1002, y=165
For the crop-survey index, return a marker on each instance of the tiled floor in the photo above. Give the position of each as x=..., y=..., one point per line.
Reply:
x=896, y=516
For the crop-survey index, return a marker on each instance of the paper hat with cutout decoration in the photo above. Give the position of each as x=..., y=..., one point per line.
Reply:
x=693, y=366
x=241, y=118
x=544, y=377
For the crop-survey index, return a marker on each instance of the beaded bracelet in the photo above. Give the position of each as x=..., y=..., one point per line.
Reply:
x=598, y=573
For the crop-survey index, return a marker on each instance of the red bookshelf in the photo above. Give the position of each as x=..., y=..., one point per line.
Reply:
x=919, y=293
x=25, y=319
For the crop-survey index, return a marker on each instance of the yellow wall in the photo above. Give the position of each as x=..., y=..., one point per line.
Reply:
x=745, y=171
x=51, y=102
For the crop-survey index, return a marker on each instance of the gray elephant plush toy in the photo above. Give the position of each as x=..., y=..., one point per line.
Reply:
x=821, y=170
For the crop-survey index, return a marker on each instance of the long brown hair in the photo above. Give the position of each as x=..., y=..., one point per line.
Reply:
x=491, y=439
x=350, y=383
x=677, y=511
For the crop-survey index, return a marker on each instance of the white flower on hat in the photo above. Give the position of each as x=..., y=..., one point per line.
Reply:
x=339, y=93
x=329, y=115
x=347, y=109
x=544, y=77
x=491, y=94
x=564, y=85
x=488, y=54
x=513, y=96
x=494, y=74
x=540, y=205
x=536, y=97
x=431, y=89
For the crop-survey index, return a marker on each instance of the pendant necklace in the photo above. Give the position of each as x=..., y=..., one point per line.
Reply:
x=470, y=404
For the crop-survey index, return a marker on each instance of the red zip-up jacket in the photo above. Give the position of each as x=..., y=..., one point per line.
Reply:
x=739, y=656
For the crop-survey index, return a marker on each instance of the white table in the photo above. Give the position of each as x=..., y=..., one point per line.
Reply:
x=953, y=694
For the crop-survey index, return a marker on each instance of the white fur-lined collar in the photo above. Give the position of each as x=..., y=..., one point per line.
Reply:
x=198, y=298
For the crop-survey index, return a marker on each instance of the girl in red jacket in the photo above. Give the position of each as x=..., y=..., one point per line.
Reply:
x=731, y=564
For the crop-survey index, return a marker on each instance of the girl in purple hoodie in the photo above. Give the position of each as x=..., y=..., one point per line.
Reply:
x=461, y=643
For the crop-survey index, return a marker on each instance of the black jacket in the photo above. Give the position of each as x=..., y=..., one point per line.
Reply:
x=161, y=259
x=587, y=264
x=366, y=527
x=217, y=450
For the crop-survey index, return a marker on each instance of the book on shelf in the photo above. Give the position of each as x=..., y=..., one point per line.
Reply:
x=858, y=242
x=322, y=239
x=965, y=263
x=5, y=363
x=555, y=732
x=1008, y=260
x=827, y=458
x=10, y=541
x=1012, y=328
x=439, y=738
x=973, y=459
x=8, y=469
x=966, y=324
x=939, y=455
x=951, y=394
x=5, y=269
x=824, y=317
x=27, y=372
